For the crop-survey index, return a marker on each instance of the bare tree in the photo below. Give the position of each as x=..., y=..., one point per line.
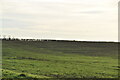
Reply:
x=4, y=37
x=9, y=37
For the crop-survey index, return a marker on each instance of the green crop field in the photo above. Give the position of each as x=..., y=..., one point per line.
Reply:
x=52, y=59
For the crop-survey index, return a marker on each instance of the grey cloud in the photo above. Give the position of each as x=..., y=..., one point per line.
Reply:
x=11, y=23
x=91, y=12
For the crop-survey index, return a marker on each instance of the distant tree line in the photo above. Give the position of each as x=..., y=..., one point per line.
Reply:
x=9, y=38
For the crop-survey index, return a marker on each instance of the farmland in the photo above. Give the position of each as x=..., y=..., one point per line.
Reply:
x=52, y=59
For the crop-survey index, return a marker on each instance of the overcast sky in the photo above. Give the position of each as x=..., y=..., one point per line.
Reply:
x=61, y=19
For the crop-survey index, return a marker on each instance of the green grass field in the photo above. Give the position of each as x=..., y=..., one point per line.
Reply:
x=27, y=59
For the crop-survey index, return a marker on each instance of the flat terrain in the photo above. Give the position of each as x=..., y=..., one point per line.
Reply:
x=52, y=59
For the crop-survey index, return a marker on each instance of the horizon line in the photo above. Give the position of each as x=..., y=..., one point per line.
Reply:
x=82, y=40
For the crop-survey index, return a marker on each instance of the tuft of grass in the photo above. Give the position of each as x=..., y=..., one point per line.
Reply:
x=12, y=74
